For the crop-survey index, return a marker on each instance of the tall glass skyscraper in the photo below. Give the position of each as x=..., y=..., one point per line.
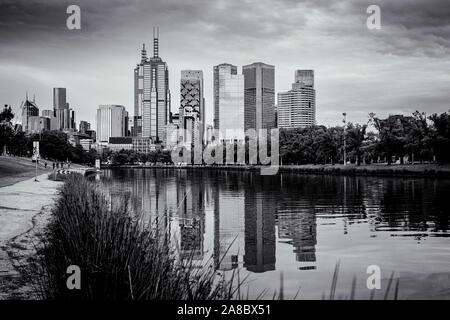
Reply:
x=229, y=102
x=297, y=107
x=151, y=94
x=233, y=70
x=65, y=117
x=259, y=96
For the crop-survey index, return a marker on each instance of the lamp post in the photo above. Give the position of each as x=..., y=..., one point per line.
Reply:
x=345, y=144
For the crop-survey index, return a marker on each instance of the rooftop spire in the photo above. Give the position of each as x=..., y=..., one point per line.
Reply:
x=143, y=53
x=155, y=42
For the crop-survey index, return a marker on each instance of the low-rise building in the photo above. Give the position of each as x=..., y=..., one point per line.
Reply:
x=120, y=143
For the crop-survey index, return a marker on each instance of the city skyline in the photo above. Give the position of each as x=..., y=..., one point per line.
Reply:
x=330, y=39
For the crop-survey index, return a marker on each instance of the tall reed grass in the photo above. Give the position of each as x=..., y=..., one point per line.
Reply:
x=119, y=258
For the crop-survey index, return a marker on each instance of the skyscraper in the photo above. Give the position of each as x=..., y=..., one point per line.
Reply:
x=192, y=100
x=229, y=102
x=259, y=96
x=65, y=117
x=151, y=94
x=29, y=109
x=111, y=122
x=233, y=70
x=297, y=107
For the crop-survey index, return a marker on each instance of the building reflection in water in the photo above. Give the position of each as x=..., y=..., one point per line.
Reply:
x=260, y=211
x=191, y=217
x=246, y=210
x=229, y=208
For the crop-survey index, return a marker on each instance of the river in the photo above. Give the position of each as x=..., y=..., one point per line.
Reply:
x=298, y=227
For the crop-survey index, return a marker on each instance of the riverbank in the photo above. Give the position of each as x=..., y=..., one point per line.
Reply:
x=405, y=170
x=24, y=211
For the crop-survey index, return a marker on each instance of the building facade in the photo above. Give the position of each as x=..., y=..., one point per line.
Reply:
x=259, y=96
x=229, y=107
x=297, y=107
x=192, y=101
x=151, y=94
x=233, y=71
x=120, y=143
x=84, y=126
x=111, y=122
x=37, y=124
x=29, y=109
x=65, y=117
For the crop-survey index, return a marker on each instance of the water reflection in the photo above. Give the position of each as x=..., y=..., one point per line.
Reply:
x=244, y=220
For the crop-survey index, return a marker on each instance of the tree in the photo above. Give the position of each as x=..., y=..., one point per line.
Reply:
x=355, y=135
x=441, y=137
x=6, y=127
x=392, y=133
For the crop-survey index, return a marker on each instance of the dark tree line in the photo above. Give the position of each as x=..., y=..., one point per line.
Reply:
x=417, y=137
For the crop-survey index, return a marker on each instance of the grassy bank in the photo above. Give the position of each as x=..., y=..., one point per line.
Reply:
x=16, y=169
x=416, y=170
x=118, y=258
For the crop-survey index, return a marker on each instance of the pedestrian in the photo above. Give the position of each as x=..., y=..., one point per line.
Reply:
x=45, y=165
x=53, y=165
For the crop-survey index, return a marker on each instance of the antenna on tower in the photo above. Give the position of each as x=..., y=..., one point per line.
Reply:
x=155, y=42
x=143, y=53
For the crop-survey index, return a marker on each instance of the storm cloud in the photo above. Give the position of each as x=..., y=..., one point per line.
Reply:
x=400, y=68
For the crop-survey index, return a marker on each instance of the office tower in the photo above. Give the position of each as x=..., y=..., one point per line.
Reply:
x=259, y=96
x=229, y=92
x=51, y=115
x=65, y=117
x=84, y=126
x=297, y=107
x=151, y=94
x=29, y=109
x=192, y=99
x=111, y=122
x=233, y=70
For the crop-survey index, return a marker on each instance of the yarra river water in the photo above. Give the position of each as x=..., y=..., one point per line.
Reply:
x=300, y=226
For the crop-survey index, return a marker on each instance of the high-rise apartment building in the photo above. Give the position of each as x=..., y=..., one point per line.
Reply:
x=233, y=70
x=297, y=107
x=229, y=102
x=259, y=96
x=111, y=122
x=151, y=94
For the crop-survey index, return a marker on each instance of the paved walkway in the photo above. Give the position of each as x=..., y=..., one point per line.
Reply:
x=20, y=205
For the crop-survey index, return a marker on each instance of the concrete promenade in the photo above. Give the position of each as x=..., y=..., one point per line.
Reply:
x=23, y=206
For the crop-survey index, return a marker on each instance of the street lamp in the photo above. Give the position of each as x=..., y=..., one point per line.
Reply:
x=345, y=145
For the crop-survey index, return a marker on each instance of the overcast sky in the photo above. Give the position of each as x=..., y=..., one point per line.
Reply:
x=402, y=67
